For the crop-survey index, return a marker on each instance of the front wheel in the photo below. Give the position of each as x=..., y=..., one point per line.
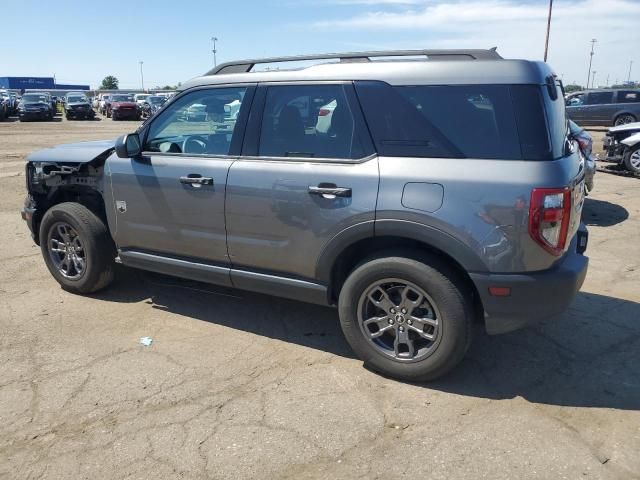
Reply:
x=631, y=159
x=77, y=248
x=406, y=318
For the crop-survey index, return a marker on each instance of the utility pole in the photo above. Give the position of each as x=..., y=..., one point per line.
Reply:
x=593, y=81
x=546, y=42
x=213, y=49
x=607, y=83
x=629, y=75
x=141, y=75
x=593, y=42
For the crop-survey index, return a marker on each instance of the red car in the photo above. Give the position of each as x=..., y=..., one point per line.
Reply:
x=122, y=106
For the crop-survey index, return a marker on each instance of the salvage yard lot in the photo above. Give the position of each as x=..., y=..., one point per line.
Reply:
x=239, y=385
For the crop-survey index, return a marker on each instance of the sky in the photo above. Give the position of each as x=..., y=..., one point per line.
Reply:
x=83, y=41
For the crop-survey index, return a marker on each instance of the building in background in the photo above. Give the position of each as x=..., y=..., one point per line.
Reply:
x=37, y=83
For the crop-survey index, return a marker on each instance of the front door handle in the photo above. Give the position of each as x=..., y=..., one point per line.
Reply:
x=196, y=180
x=329, y=191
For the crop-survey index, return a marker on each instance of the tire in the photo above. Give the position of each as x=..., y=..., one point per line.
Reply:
x=631, y=159
x=448, y=303
x=624, y=119
x=92, y=242
x=113, y=116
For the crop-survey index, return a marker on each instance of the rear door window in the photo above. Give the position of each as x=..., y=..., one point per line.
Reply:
x=465, y=121
x=599, y=98
x=310, y=121
x=628, y=96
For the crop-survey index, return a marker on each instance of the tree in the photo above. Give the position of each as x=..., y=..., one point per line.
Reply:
x=109, y=83
x=572, y=88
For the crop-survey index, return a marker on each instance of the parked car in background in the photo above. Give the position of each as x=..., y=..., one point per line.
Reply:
x=5, y=105
x=77, y=105
x=14, y=102
x=35, y=106
x=585, y=145
x=104, y=102
x=622, y=145
x=121, y=106
x=446, y=194
x=604, y=107
x=139, y=98
x=151, y=105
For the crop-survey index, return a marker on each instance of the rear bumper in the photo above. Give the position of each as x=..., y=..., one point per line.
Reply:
x=534, y=296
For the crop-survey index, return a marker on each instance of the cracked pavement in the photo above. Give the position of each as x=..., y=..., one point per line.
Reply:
x=243, y=386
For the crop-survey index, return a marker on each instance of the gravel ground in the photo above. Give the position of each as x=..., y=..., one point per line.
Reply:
x=237, y=385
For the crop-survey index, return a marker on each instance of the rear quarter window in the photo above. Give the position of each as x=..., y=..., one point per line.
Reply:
x=628, y=97
x=464, y=121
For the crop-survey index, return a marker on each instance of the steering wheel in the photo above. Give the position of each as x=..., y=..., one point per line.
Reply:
x=195, y=144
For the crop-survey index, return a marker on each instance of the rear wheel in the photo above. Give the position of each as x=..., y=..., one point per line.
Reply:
x=624, y=119
x=407, y=318
x=77, y=248
x=632, y=159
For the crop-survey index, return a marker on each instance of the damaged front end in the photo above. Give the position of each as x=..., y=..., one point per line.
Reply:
x=619, y=139
x=67, y=173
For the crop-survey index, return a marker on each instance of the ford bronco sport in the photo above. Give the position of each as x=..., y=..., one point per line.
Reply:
x=443, y=191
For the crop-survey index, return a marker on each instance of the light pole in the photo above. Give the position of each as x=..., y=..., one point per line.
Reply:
x=546, y=42
x=629, y=75
x=213, y=49
x=593, y=81
x=141, y=75
x=593, y=42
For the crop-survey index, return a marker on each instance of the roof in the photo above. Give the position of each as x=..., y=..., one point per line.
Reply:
x=458, y=68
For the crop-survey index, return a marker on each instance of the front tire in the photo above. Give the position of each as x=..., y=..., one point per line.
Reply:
x=406, y=318
x=77, y=248
x=631, y=159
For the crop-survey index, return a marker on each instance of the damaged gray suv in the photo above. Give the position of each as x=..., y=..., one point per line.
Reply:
x=418, y=194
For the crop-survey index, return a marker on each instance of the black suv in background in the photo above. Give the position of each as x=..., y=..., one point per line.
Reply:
x=604, y=107
x=35, y=106
x=77, y=105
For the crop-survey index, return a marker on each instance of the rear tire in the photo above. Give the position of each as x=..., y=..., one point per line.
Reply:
x=77, y=248
x=624, y=119
x=631, y=159
x=435, y=305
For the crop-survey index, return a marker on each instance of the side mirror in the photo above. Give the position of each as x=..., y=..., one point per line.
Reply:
x=128, y=146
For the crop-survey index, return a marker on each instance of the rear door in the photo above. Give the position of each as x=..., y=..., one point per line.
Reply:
x=171, y=201
x=306, y=174
x=599, y=108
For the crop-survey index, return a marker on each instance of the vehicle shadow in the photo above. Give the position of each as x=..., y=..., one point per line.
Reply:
x=601, y=213
x=586, y=357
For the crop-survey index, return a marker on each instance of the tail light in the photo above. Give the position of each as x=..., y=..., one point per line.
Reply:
x=323, y=112
x=549, y=215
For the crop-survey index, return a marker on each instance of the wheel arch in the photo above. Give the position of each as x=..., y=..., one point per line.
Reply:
x=356, y=243
x=89, y=197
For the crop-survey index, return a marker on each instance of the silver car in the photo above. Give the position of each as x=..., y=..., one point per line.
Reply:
x=445, y=191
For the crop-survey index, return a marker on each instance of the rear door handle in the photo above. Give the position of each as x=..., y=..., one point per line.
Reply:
x=196, y=180
x=329, y=191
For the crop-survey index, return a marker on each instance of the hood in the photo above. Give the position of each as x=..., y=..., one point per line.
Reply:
x=82, y=152
x=625, y=127
x=77, y=103
x=124, y=104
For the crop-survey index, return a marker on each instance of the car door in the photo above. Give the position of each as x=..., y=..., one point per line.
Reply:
x=599, y=108
x=170, y=202
x=575, y=107
x=297, y=185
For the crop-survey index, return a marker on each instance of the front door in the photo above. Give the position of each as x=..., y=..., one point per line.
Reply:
x=307, y=173
x=170, y=202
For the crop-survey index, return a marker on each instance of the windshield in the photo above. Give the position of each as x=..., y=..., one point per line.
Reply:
x=76, y=99
x=142, y=97
x=34, y=98
x=156, y=100
x=121, y=98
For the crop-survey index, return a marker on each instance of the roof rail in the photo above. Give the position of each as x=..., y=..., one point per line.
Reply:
x=244, y=66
